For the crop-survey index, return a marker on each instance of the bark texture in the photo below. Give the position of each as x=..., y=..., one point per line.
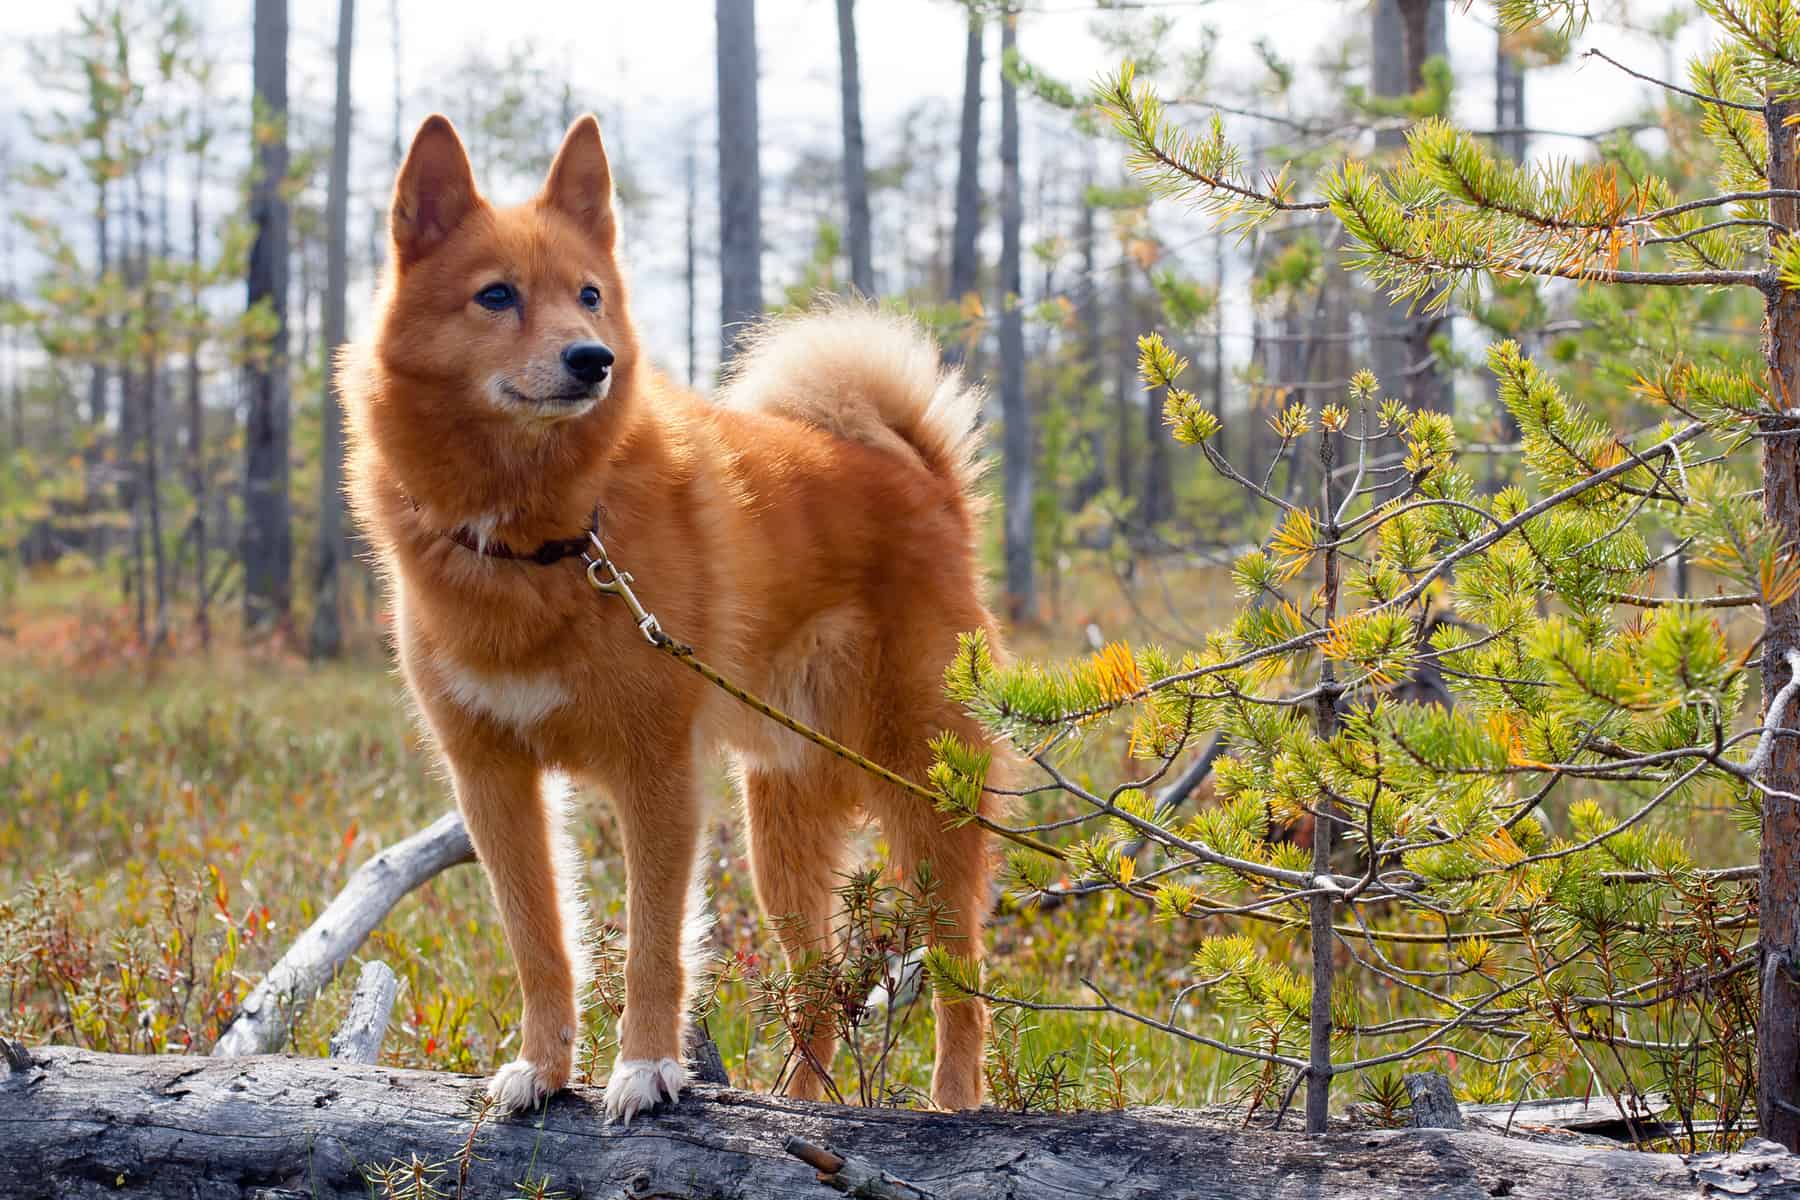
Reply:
x=856, y=173
x=964, y=265
x=1406, y=33
x=1015, y=413
x=268, y=533
x=740, y=174
x=77, y=1124
x=326, y=639
x=1778, y=1029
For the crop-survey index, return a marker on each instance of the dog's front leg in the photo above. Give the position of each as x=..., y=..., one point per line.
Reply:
x=512, y=823
x=660, y=822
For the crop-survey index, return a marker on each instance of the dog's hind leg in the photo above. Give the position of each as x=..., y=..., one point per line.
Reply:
x=797, y=820
x=510, y=819
x=962, y=874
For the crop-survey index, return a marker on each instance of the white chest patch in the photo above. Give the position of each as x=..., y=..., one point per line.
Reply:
x=519, y=699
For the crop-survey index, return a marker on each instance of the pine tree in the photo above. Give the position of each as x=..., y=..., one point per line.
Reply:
x=1498, y=728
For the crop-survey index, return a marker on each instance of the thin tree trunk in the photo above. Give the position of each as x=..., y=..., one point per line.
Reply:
x=1222, y=441
x=97, y=380
x=132, y=385
x=965, y=268
x=1778, y=1029
x=399, y=142
x=1406, y=33
x=1092, y=343
x=327, y=637
x=692, y=271
x=302, y=325
x=153, y=388
x=1509, y=100
x=740, y=174
x=856, y=173
x=1016, y=447
x=1321, y=905
x=268, y=533
x=1125, y=358
x=196, y=412
x=1509, y=120
x=1157, y=501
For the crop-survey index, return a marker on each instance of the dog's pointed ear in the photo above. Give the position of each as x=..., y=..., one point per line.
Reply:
x=580, y=182
x=435, y=191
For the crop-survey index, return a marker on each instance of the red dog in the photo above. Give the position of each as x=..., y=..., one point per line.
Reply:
x=812, y=536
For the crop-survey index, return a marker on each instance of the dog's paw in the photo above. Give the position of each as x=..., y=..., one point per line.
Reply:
x=639, y=1084
x=519, y=1085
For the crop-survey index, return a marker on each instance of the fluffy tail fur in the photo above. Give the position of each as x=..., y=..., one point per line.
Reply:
x=864, y=375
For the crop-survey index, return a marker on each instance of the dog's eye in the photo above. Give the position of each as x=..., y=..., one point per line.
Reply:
x=496, y=297
x=590, y=298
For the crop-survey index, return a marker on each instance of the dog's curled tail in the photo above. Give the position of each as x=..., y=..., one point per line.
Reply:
x=864, y=375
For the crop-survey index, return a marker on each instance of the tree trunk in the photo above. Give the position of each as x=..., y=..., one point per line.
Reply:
x=1157, y=500
x=268, y=533
x=1322, y=904
x=1222, y=440
x=1091, y=343
x=97, y=380
x=1125, y=363
x=153, y=388
x=1509, y=138
x=1407, y=32
x=740, y=174
x=80, y=1125
x=856, y=172
x=1778, y=1028
x=327, y=638
x=1015, y=413
x=196, y=412
x=399, y=140
x=1509, y=100
x=692, y=270
x=965, y=267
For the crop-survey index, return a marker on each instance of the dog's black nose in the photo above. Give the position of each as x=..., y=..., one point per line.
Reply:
x=587, y=361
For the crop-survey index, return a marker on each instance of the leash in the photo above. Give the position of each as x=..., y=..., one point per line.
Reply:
x=609, y=580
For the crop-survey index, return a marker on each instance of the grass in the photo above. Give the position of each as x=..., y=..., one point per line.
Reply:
x=171, y=824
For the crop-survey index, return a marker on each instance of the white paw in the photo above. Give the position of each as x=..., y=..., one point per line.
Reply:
x=518, y=1086
x=639, y=1084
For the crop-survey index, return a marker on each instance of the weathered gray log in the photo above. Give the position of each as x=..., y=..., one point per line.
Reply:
x=358, y=1039
x=76, y=1125
x=309, y=964
x=1433, y=1103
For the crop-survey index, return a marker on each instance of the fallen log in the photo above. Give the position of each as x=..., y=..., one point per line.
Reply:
x=76, y=1124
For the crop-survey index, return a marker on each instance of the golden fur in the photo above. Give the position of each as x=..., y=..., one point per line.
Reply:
x=811, y=536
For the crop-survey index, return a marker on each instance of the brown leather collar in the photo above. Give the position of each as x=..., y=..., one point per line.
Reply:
x=546, y=554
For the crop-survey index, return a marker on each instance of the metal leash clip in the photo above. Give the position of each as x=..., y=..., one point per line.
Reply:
x=618, y=583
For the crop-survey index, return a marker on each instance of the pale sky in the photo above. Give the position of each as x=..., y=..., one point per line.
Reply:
x=649, y=67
